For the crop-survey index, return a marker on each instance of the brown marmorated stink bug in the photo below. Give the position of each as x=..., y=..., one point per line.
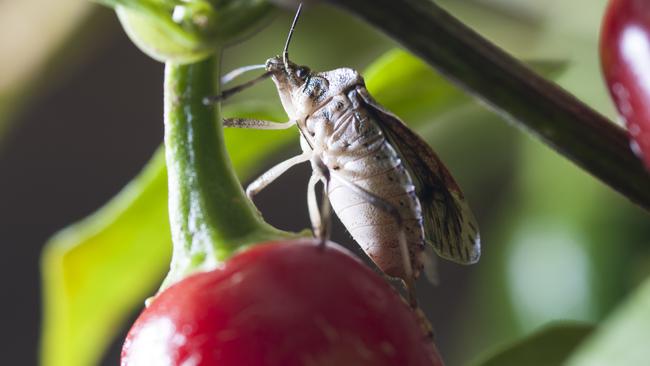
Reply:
x=386, y=185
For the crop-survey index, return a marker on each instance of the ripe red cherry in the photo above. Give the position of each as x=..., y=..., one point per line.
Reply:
x=284, y=303
x=625, y=58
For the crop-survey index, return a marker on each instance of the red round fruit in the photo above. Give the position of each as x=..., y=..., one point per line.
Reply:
x=625, y=58
x=284, y=303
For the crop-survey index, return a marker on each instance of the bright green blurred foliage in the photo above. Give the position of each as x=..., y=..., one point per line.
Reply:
x=96, y=272
x=622, y=339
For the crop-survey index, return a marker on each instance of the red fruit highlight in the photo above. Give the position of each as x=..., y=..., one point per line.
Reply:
x=625, y=58
x=284, y=303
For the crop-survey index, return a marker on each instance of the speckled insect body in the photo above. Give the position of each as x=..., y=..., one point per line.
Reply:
x=366, y=173
x=386, y=185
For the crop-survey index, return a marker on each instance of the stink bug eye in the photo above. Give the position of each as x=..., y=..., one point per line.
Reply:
x=302, y=72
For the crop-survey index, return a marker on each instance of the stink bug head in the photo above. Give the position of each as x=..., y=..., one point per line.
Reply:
x=290, y=79
x=303, y=91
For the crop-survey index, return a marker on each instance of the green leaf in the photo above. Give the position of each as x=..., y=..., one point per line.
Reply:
x=409, y=87
x=623, y=339
x=99, y=270
x=414, y=91
x=548, y=347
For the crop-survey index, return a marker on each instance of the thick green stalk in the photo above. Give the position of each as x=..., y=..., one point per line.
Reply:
x=210, y=215
x=538, y=106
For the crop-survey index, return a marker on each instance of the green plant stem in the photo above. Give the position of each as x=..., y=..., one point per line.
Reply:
x=210, y=216
x=538, y=106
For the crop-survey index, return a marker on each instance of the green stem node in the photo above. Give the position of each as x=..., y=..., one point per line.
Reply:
x=186, y=31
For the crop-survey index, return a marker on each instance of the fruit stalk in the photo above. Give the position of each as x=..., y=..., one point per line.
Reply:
x=210, y=215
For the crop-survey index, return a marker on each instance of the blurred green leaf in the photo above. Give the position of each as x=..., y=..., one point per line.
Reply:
x=97, y=271
x=550, y=346
x=412, y=90
x=555, y=253
x=565, y=257
x=409, y=87
x=623, y=339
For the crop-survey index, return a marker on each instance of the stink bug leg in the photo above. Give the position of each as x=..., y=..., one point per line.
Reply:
x=325, y=210
x=272, y=174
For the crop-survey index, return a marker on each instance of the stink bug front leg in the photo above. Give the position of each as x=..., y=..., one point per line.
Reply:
x=272, y=174
x=257, y=124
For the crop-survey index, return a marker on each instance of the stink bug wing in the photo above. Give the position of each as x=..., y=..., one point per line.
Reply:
x=449, y=223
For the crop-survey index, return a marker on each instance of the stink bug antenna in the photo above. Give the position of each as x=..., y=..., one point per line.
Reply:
x=234, y=90
x=239, y=71
x=285, y=53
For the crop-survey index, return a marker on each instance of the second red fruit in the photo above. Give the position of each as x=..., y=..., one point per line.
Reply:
x=625, y=58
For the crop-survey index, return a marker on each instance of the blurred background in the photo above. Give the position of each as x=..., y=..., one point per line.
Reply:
x=81, y=114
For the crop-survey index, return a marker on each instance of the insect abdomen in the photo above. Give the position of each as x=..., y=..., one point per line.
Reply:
x=374, y=166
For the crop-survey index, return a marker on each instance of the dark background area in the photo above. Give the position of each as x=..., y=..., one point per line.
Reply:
x=76, y=145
